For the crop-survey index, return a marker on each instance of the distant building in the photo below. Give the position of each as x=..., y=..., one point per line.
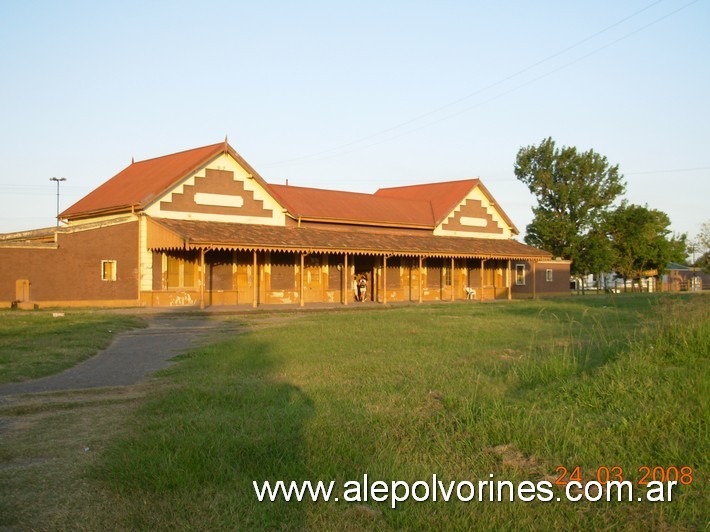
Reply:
x=201, y=227
x=682, y=278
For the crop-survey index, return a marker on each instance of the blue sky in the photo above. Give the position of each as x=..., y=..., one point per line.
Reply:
x=357, y=95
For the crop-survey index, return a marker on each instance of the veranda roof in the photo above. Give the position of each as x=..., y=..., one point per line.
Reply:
x=164, y=234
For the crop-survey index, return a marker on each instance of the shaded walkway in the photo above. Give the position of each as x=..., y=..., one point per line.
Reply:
x=131, y=357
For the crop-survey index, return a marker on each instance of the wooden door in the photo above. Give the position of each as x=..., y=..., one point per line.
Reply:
x=312, y=278
x=245, y=277
x=22, y=290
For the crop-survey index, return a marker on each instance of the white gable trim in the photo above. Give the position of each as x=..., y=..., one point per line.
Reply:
x=469, y=221
x=478, y=195
x=218, y=200
x=223, y=162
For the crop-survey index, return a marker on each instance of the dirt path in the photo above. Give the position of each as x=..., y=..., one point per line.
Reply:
x=131, y=357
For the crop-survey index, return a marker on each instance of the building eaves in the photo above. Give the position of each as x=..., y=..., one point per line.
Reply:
x=184, y=234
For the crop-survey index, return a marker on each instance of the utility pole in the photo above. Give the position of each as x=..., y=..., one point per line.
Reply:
x=57, y=179
x=695, y=269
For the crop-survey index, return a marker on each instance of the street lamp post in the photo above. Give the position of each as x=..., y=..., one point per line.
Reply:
x=57, y=179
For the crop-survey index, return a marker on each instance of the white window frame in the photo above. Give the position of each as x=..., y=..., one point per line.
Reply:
x=520, y=279
x=113, y=270
x=447, y=275
x=548, y=275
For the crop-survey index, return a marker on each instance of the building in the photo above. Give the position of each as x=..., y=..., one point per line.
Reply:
x=682, y=278
x=201, y=227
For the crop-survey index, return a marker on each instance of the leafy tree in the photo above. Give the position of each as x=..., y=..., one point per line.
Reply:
x=701, y=245
x=595, y=254
x=703, y=262
x=703, y=238
x=640, y=241
x=574, y=190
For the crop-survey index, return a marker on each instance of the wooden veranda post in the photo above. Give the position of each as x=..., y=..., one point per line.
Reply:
x=346, y=281
x=508, y=282
x=534, y=274
x=254, y=278
x=493, y=279
x=420, y=278
x=300, y=289
x=453, y=280
x=202, y=278
x=384, y=279
x=483, y=265
x=374, y=284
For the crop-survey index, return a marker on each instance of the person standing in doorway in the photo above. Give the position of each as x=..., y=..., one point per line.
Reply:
x=363, y=288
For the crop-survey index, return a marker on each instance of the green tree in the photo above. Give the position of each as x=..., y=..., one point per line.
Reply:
x=595, y=254
x=641, y=241
x=703, y=262
x=700, y=246
x=703, y=237
x=574, y=191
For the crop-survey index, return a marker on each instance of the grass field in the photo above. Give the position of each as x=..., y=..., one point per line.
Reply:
x=463, y=391
x=36, y=344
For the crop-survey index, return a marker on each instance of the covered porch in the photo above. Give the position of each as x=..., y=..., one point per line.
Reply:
x=212, y=264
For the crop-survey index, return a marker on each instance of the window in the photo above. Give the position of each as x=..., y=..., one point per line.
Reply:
x=108, y=270
x=447, y=276
x=433, y=276
x=189, y=269
x=487, y=277
x=434, y=273
x=394, y=273
x=180, y=272
x=520, y=274
x=173, y=272
x=334, y=274
x=548, y=275
x=283, y=271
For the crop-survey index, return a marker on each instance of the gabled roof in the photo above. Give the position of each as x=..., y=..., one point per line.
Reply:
x=141, y=182
x=444, y=197
x=352, y=207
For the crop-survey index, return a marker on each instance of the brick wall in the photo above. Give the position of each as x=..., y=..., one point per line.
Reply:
x=73, y=271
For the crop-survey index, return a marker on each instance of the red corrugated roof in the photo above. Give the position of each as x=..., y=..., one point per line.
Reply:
x=335, y=205
x=444, y=196
x=140, y=182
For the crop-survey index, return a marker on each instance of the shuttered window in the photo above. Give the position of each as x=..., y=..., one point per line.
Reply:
x=334, y=277
x=180, y=272
x=394, y=275
x=433, y=276
x=283, y=271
